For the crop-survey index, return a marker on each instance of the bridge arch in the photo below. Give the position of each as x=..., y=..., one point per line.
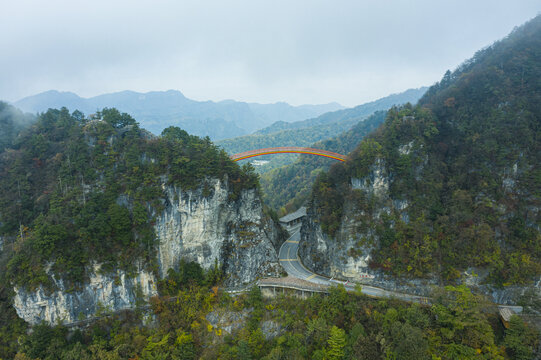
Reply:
x=288, y=149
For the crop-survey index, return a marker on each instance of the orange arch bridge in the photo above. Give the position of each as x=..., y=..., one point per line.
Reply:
x=288, y=149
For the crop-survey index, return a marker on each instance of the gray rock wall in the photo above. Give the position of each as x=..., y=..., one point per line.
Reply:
x=192, y=226
x=111, y=292
x=347, y=254
x=333, y=256
x=207, y=228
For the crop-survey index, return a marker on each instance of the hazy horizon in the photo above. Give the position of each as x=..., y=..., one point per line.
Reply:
x=164, y=91
x=309, y=52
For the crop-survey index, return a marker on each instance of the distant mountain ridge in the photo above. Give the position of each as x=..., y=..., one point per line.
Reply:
x=157, y=110
x=363, y=110
x=310, y=131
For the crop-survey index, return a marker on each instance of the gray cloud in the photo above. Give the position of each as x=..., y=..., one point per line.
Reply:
x=303, y=51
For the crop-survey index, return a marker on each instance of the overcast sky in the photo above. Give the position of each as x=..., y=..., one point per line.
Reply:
x=296, y=51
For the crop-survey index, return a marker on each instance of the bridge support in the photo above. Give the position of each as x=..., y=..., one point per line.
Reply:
x=270, y=291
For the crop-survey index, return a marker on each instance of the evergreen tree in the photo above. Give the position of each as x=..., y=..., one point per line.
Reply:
x=336, y=344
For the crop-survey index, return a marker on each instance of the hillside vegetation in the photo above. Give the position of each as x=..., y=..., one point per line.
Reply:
x=467, y=159
x=64, y=188
x=194, y=320
x=75, y=190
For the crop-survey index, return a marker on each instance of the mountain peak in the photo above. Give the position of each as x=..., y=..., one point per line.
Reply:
x=51, y=94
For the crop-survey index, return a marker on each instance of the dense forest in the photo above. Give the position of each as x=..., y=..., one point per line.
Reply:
x=193, y=318
x=67, y=166
x=467, y=161
x=75, y=190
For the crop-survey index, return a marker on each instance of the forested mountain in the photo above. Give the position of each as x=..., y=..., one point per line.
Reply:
x=310, y=131
x=12, y=121
x=451, y=184
x=340, y=116
x=87, y=190
x=78, y=191
x=288, y=187
x=119, y=244
x=157, y=110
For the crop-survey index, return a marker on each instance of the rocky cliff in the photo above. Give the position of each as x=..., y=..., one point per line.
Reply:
x=349, y=253
x=371, y=214
x=198, y=227
x=104, y=292
x=207, y=228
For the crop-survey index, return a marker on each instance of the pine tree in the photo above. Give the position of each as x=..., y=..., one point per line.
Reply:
x=337, y=342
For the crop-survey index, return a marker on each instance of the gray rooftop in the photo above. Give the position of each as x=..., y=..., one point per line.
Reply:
x=294, y=215
x=506, y=313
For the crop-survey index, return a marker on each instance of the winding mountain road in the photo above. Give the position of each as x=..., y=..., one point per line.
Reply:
x=291, y=262
x=289, y=259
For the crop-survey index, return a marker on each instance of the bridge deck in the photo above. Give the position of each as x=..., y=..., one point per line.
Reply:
x=288, y=149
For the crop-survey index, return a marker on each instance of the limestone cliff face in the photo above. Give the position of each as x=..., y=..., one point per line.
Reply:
x=208, y=228
x=203, y=225
x=328, y=256
x=109, y=292
x=347, y=255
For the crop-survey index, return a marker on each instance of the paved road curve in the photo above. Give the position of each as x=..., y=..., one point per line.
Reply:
x=293, y=266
